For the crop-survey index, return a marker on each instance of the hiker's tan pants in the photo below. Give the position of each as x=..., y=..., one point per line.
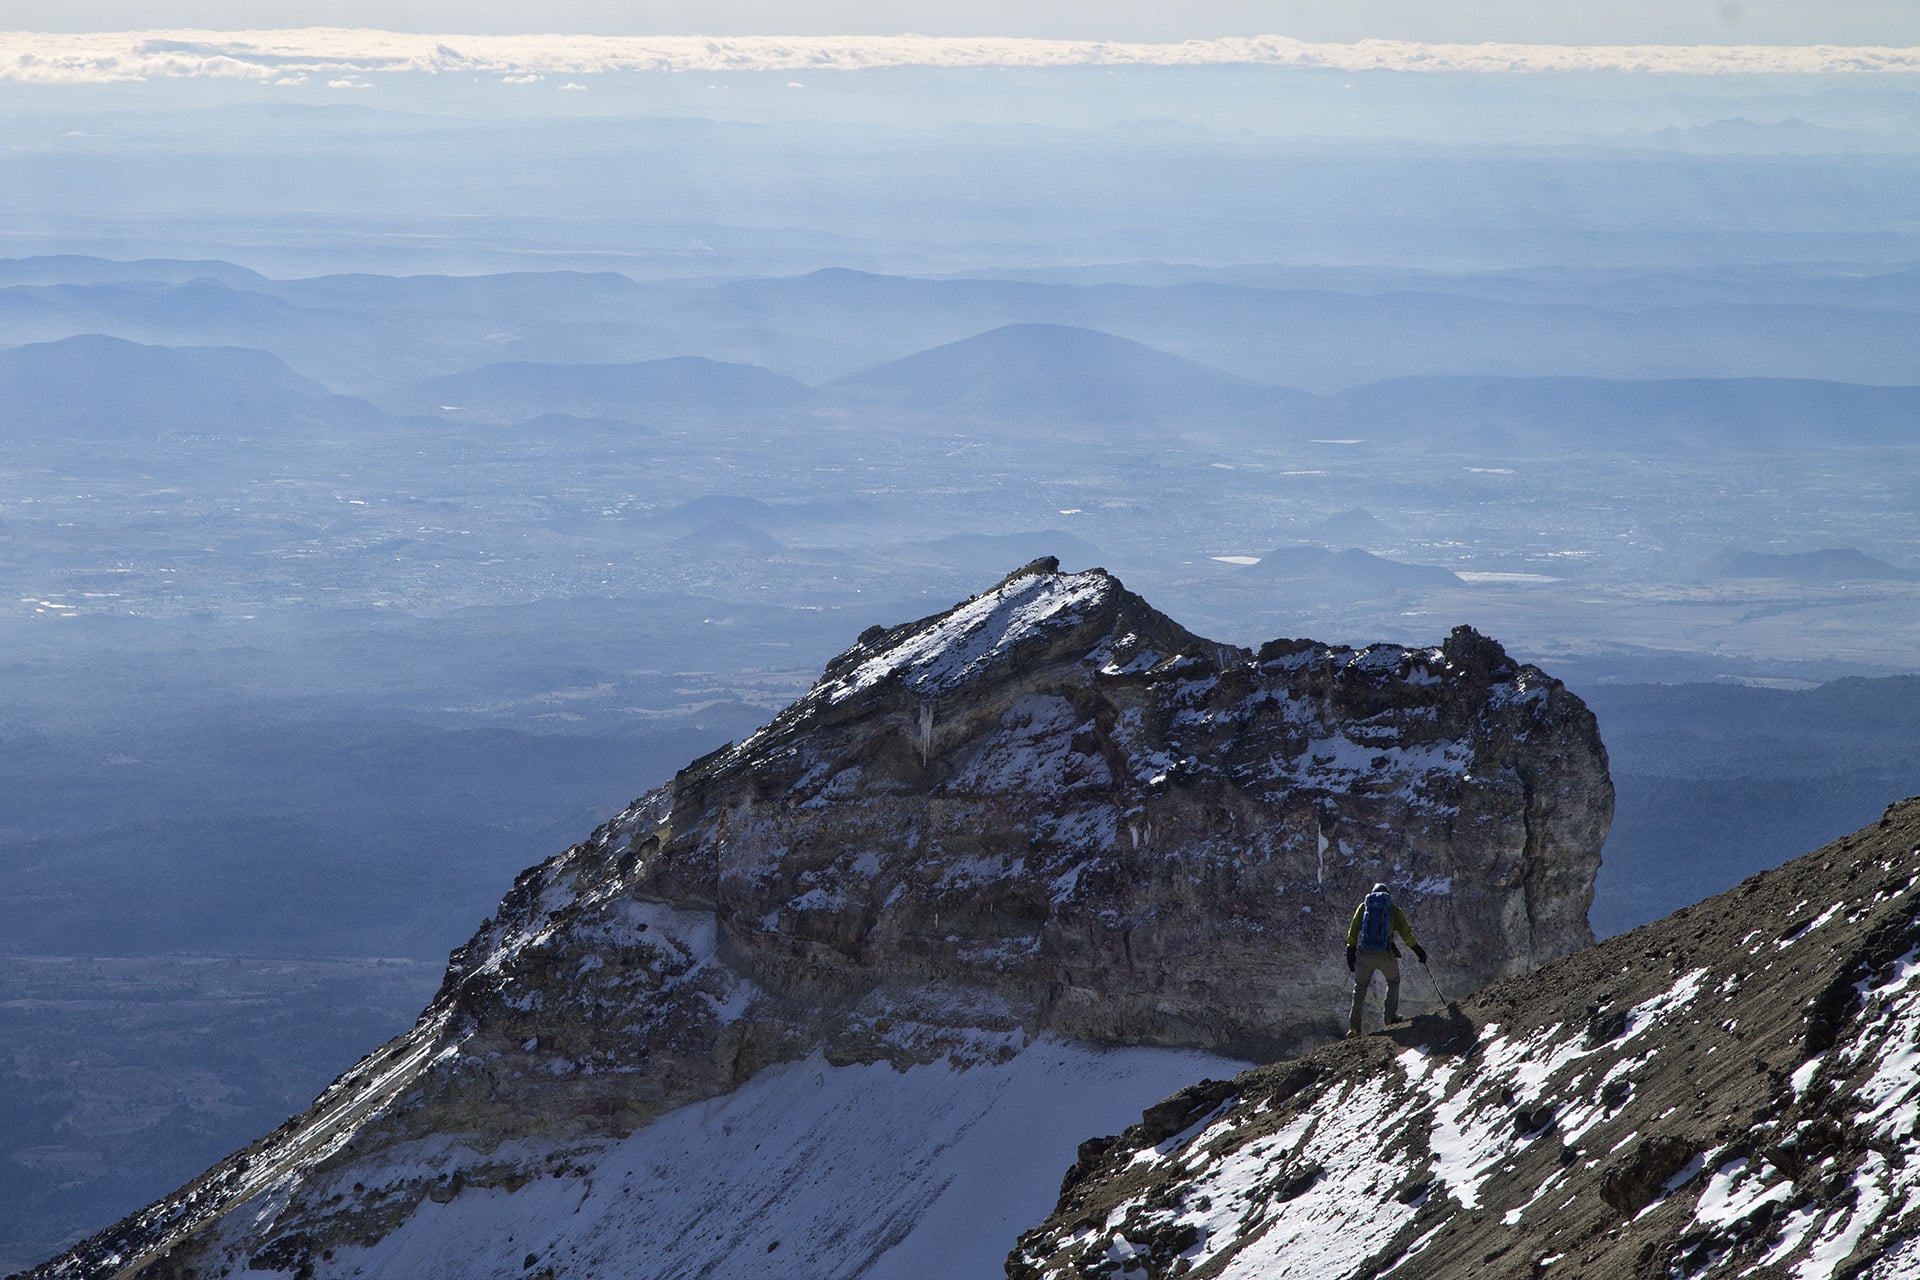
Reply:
x=1365, y=965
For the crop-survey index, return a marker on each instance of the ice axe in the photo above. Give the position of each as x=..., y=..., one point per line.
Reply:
x=1451, y=1006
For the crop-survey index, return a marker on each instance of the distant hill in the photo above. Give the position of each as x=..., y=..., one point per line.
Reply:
x=94, y=386
x=201, y=305
x=84, y=269
x=1352, y=569
x=202, y=311
x=1321, y=329
x=1060, y=373
x=1574, y=414
x=678, y=385
x=1739, y=135
x=1833, y=564
x=730, y=537
x=1327, y=331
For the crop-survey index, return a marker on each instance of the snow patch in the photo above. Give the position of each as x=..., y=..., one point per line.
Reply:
x=1735, y=1190
x=1331, y=1226
x=972, y=636
x=806, y=1170
x=1031, y=750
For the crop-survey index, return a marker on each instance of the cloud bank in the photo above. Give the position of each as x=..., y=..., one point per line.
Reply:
x=275, y=56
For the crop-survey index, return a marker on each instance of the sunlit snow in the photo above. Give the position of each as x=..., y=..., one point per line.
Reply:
x=808, y=1169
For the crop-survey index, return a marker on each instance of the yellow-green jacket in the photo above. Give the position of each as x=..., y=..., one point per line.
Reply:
x=1400, y=926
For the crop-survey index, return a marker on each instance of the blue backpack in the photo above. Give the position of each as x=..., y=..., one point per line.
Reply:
x=1376, y=923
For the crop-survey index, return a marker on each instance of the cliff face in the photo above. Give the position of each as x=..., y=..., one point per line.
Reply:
x=1731, y=1091
x=1050, y=813
x=1129, y=832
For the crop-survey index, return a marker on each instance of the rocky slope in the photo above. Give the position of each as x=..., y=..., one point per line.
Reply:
x=1047, y=819
x=1731, y=1091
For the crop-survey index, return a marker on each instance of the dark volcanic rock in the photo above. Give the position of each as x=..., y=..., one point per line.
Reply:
x=1640, y=1177
x=1731, y=1091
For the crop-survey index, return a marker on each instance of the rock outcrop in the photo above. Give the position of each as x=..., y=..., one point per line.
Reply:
x=1048, y=813
x=1731, y=1091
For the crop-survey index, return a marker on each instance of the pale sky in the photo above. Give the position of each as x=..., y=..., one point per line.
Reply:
x=1574, y=22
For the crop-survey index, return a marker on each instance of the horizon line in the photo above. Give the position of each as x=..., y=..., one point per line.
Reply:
x=281, y=55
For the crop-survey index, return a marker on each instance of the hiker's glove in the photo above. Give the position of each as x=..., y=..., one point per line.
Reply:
x=1420, y=951
x=1352, y=958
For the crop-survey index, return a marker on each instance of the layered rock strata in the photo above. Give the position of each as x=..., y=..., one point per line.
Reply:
x=1050, y=811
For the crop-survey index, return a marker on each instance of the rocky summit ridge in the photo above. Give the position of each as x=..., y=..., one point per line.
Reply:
x=1045, y=820
x=1731, y=1091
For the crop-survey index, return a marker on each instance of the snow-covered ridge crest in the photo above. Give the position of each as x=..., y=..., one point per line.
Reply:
x=989, y=627
x=1048, y=816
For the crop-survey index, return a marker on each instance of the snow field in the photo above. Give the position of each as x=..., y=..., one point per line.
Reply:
x=806, y=1170
x=1344, y=1160
x=1337, y=1222
x=1471, y=1133
x=1824, y=1235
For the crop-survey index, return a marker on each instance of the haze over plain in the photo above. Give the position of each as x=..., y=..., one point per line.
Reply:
x=394, y=452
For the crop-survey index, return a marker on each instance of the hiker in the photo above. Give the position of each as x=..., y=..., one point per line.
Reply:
x=1370, y=950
